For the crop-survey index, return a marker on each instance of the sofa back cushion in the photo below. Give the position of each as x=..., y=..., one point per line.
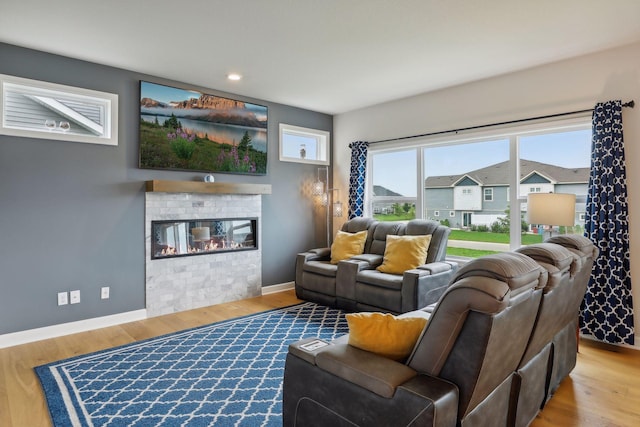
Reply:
x=357, y=224
x=553, y=314
x=479, y=329
x=379, y=233
x=360, y=224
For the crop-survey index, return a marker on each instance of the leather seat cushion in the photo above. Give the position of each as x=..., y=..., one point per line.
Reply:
x=383, y=280
x=321, y=267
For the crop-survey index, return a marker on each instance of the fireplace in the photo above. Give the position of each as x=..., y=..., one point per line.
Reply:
x=190, y=215
x=190, y=237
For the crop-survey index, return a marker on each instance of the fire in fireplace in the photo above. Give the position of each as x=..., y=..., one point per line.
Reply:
x=202, y=236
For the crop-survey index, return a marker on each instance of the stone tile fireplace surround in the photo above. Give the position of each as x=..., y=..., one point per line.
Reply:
x=184, y=283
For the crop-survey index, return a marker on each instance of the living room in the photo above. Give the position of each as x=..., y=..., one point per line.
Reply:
x=73, y=214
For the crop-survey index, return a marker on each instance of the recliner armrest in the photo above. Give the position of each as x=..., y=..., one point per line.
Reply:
x=346, y=277
x=321, y=252
x=424, y=285
x=438, y=267
x=373, y=260
x=368, y=370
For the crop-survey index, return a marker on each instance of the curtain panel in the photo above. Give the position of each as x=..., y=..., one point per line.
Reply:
x=607, y=309
x=357, y=178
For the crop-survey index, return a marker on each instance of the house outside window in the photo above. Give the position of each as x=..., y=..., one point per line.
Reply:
x=473, y=177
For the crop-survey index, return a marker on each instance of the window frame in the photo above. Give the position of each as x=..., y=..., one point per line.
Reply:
x=44, y=94
x=322, y=138
x=511, y=132
x=490, y=193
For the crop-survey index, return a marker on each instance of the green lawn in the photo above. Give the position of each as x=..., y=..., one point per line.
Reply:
x=479, y=236
x=393, y=217
x=469, y=253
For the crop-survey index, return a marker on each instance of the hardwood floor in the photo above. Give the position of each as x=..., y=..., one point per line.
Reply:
x=603, y=389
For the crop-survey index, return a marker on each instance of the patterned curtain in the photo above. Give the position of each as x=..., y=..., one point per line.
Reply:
x=357, y=177
x=607, y=309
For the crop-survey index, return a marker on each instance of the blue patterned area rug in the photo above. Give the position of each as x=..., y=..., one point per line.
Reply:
x=225, y=374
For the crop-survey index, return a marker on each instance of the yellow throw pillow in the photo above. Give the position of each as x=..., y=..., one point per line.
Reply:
x=404, y=253
x=346, y=245
x=385, y=334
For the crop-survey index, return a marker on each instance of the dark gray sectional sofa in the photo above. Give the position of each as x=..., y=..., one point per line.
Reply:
x=496, y=346
x=356, y=285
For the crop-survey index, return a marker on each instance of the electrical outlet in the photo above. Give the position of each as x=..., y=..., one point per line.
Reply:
x=75, y=297
x=63, y=298
x=104, y=292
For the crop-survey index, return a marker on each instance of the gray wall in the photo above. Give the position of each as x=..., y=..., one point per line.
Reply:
x=72, y=214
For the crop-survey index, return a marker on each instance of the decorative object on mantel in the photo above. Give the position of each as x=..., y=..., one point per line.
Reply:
x=206, y=187
x=326, y=196
x=189, y=130
x=37, y=109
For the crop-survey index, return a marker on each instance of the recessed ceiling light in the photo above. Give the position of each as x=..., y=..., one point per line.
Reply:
x=234, y=76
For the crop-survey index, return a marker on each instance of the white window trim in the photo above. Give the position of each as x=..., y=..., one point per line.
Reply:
x=484, y=194
x=44, y=94
x=323, y=144
x=511, y=132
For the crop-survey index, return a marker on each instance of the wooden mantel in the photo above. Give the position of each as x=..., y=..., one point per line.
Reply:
x=159, y=186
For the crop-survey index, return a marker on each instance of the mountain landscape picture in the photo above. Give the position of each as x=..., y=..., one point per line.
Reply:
x=189, y=130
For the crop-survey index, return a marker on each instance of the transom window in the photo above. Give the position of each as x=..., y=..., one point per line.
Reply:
x=304, y=145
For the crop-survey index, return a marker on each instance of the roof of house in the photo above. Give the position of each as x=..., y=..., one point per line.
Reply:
x=497, y=174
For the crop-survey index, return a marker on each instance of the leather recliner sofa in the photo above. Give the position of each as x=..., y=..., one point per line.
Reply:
x=487, y=356
x=355, y=284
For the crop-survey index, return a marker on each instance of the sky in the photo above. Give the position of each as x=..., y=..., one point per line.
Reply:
x=168, y=94
x=397, y=172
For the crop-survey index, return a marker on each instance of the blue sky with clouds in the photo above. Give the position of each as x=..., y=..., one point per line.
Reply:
x=396, y=170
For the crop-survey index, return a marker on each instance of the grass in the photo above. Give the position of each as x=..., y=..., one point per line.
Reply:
x=156, y=153
x=479, y=236
x=469, y=253
x=394, y=217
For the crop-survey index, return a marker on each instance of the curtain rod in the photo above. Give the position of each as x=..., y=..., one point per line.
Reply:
x=629, y=104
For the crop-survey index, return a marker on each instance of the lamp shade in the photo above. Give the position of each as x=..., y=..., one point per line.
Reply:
x=337, y=209
x=551, y=209
x=318, y=188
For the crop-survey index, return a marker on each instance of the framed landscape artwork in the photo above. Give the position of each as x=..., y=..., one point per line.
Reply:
x=189, y=130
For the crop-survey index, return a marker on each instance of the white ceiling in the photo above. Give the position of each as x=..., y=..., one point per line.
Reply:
x=331, y=56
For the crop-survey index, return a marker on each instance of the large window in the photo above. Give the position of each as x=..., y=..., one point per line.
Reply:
x=483, y=181
x=394, y=195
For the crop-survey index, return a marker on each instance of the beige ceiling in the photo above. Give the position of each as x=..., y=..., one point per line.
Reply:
x=330, y=56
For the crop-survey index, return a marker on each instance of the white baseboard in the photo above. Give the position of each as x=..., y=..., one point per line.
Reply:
x=31, y=335
x=53, y=331
x=277, y=288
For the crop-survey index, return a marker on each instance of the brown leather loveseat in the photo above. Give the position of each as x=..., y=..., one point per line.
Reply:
x=354, y=284
x=496, y=346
